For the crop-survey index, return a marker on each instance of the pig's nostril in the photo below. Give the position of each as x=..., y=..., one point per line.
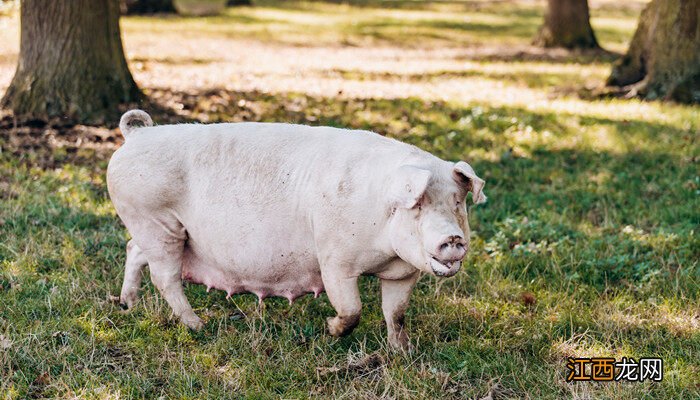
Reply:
x=444, y=246
x=460, y=246
x=455, y=239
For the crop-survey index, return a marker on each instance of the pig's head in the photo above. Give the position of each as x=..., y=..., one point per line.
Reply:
x=428, y=223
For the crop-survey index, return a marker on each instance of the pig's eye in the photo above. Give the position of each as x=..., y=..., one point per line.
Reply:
x=461, y=206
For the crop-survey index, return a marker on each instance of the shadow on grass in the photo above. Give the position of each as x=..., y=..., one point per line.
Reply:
x=545, y=80
x=537, y=54
x=230, y=17
x=401, y=31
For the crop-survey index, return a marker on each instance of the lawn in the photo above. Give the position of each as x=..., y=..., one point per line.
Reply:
x=587, y=247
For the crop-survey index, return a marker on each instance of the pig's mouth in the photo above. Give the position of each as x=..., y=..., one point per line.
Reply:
x=444, y=269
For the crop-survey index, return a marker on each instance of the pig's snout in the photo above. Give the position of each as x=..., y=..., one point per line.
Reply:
x=447, y=258
x=451, y=248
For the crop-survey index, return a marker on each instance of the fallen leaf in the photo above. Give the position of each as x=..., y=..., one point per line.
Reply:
x=5, y=343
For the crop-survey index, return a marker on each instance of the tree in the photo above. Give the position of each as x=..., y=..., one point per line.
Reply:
x=663, y=60
x=71, y=62
x=567, y=24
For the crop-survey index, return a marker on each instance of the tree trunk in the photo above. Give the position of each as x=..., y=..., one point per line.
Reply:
x=663, y=60
x=567, y=24
x=71, y=63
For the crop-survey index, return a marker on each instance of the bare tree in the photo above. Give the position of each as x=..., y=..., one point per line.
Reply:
x=663, y=60
x=71, y=62
x=566, y=24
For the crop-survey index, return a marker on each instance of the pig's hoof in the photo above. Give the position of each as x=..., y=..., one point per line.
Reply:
x=127, y=301
x=334, y=326
x=400, y=343
x=192, y=321
x=341, y=326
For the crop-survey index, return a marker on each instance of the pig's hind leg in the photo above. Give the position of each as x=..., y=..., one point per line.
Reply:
x=135, y=261
x=166, y=274
x=162, y=240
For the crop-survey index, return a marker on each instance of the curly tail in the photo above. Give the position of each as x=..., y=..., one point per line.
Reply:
x=126, y=123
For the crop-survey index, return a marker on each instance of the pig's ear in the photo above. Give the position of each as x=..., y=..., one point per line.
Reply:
x=407, y=186
x=464, y=175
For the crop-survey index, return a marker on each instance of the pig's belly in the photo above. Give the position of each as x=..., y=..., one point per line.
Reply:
x=287, y=272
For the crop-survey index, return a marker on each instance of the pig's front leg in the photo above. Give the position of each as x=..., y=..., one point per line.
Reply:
x=395, y=297
x=345, y=297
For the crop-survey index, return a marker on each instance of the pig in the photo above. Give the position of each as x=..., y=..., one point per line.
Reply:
x=285, y=210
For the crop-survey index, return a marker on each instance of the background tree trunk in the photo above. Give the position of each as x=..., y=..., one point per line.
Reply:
x=663, y=60
x=566, y=24
x=71, y=62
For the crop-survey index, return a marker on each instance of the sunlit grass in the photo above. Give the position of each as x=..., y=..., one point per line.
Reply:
x=318, y=23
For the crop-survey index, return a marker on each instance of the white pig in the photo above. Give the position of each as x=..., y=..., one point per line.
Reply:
x=285, y=210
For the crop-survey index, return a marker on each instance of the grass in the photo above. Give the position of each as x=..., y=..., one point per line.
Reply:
x=588, y=245
x=412, y=24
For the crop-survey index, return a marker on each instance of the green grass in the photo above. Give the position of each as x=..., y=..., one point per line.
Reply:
x=606, y=241
x=594, y=208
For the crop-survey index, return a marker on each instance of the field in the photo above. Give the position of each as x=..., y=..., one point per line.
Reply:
x=588, y=246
